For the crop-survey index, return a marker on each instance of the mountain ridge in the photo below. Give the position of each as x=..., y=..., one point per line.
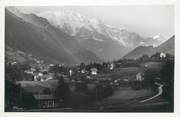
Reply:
x=104, y=41
x=166, y=47
x=95, y=35
x=44, y=40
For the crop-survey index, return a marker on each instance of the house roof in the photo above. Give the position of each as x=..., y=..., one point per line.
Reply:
x=44, y=97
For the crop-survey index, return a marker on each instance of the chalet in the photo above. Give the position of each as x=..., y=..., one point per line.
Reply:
x=37, y=89
x=47, y=101
x=139, y=76
x=94, y=71
x=38, y=76
x=43, y=77
x=162, y=55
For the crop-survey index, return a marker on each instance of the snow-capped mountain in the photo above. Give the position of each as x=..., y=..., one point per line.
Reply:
x=106, y=41
x=36, y=36
x=72, y=22
x=97, y=36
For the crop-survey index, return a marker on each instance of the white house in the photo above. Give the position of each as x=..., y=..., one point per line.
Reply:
x=70, y=72
x=37, y=77
x=111, y=66
x=83, y=71
x=94, y=71
x=139, y=76
x=162, y=55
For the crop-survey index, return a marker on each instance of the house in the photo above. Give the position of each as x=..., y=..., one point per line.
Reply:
x=47, y=101
x=70, y=72
x=162, y=55
x=111, y=66
x=94, y=71
x=37, y=89
x=38, y=76
x=139, y=76
x=43, y=77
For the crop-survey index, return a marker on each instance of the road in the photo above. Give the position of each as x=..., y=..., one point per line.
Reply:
x=160, y=91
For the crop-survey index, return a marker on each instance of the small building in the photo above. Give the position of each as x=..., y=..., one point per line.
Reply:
x=139, y=76
x=37, y=89
x=38, y=76
x=111, y=66
x=94, y=71
x=162, y=55
x=70, y=72
x=46, y=101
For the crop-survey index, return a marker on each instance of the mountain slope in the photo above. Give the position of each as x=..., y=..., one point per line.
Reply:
x=166, y=47
x=139, y=51
x=36, y=36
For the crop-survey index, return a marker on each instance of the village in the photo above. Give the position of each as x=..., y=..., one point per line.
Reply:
x=60, y=86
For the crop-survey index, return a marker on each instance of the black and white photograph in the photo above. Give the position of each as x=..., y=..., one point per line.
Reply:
x=95, y=59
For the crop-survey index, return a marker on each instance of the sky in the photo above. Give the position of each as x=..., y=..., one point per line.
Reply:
x=146, y=20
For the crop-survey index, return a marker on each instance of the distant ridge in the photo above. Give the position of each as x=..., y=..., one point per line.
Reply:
x=139, y=51
x=166, y=47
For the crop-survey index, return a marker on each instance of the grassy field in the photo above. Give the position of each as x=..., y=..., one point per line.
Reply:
x=156, y=66
x=121, y=73
x=126, y=93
